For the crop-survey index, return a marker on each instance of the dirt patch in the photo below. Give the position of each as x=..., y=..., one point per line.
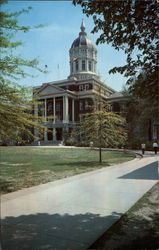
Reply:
x=15, y=164
x=137, y=229
x=44, y=171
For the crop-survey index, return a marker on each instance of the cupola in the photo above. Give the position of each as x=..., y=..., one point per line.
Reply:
x=83, y=56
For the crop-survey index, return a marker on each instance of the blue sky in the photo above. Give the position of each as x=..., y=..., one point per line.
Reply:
x=51, y=43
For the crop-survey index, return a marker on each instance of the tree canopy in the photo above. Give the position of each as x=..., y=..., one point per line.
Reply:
x=102, y=126
x=131, y=26
x=15, y=102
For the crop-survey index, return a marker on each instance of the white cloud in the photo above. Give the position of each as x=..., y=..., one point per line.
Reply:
x=55, y=28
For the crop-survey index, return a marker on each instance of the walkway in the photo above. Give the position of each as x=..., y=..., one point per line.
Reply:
x=72, y=213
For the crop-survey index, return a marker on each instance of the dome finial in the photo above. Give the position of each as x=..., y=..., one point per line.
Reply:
x=82, y=26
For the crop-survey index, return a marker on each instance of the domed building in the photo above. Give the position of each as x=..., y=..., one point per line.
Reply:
x=83, y=57
x=62, y=103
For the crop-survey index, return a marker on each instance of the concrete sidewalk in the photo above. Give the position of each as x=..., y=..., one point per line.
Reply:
x=74, y=212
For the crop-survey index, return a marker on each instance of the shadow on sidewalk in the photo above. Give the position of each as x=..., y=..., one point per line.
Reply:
x=148, y=172
x=45, y=231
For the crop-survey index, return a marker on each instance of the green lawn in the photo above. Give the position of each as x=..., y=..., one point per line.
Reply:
x=29, y=166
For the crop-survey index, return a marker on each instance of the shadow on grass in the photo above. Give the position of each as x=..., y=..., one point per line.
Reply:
x=83, y=164
x=140, y=234
x=148, y=172
x=45, y=231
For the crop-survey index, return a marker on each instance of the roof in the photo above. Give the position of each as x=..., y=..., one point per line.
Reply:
x=83, y=39
x=116, y=95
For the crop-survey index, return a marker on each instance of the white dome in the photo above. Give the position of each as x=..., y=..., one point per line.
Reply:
x=83, y=40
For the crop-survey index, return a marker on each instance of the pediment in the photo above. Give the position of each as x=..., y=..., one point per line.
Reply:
x=50, y=89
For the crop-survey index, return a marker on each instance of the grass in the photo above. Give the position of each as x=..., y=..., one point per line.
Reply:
x=23, y=167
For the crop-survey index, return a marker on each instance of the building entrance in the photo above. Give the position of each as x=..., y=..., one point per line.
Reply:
x=59, y=134
x=49, y=135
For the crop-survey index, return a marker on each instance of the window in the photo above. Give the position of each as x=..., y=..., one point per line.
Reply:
x=49, y=107
x=86, y=104
x=76, y=65
x=58, y=117
x=90, y=66
x=81, y=118
x=58, y=106
x=122, y=106
x=83, y=65
x=81, y=105
x=71, y=67
x=81, y=87
x=87, y=87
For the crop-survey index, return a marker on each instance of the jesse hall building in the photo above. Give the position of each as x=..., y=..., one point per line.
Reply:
x=63, y=102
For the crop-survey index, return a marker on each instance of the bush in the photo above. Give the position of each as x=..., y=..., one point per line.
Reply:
x=82, y=144
x=70, y=141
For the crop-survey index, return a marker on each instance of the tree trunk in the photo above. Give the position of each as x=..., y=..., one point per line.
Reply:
x=100, y=155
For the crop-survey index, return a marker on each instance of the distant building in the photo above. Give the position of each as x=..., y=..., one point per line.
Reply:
x=62, y=103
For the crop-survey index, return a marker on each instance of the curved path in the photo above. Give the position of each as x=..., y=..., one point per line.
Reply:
x=72, y=213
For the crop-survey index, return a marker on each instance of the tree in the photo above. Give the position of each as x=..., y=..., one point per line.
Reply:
x=141, y=117
x=102, y=127
x=16, y=102
x=131, y=26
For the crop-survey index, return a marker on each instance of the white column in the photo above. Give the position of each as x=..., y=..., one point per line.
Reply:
x=45, y=112
x=80, y=65
x=95, y=67
x=74, y=66
x=73, y=110
x=54, y=120
x=45, y=119
x=65, y=109
x=86, y=65
x=54, y=110
x=36, y=132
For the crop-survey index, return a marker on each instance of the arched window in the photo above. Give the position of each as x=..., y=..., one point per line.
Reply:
x=83, y=65
x=81, y=87
x=90, y=66
x=76, y=65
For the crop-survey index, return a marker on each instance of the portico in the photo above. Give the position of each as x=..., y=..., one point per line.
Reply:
x=57, y=112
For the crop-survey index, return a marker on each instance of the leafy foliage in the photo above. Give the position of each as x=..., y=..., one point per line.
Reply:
x=17, y=120
x=140, y=117
x=102, y=126
x=131, y=26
